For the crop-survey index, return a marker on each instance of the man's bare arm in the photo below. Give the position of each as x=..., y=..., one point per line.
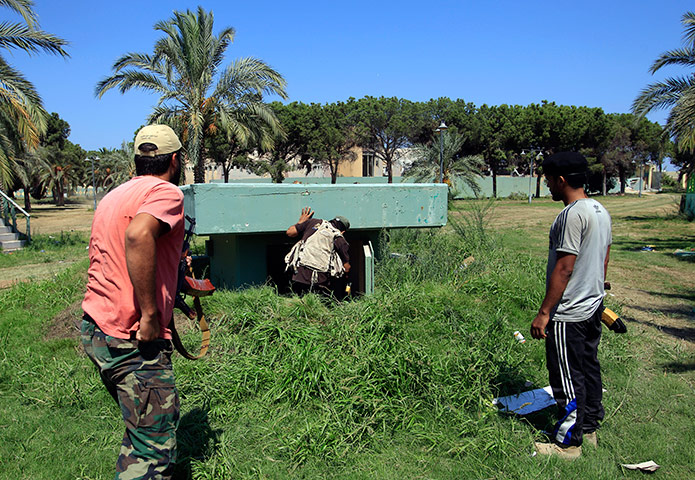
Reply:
x=559, y=278
x=307, y=213
x=141, y=260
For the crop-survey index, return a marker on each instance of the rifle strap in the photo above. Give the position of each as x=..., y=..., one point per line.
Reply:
x=204, y=331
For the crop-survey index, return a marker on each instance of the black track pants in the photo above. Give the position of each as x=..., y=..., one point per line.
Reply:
x=571, y=351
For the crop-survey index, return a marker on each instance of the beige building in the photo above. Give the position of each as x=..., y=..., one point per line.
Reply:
x=363, y=164
x=367, y=164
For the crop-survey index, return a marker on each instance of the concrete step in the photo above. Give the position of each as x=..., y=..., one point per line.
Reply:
x=11, y=245
x=4, y=229
x=6, y=237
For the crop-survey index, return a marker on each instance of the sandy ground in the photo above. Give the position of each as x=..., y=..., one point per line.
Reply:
x=49, y=219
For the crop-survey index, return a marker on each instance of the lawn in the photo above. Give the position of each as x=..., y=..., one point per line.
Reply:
x=396, y=385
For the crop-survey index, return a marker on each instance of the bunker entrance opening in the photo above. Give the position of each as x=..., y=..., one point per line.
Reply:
x=276, y=274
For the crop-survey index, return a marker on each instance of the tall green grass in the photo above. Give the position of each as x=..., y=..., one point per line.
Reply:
x=419, y=361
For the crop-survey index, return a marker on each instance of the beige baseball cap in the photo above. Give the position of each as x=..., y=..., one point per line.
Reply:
x=161, y=135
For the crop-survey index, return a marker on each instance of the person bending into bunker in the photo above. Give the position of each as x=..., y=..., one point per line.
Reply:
x=321, y=254
x=569, y=318
x=134, y=253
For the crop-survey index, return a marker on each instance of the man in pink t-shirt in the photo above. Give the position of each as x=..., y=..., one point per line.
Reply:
x=134, y=252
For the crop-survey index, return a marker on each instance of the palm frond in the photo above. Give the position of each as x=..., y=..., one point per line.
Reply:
x=661, y=94
x=130, y=79
x=136, y=60
x=688, y=22
x=23, y=8
x=15, y=35
x=250, y=75
x=681, y=56
x=680, y=123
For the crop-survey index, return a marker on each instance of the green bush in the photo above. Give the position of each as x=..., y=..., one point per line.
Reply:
x=518, y=196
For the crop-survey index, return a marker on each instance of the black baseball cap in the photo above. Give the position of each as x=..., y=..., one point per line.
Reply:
x=565, y=163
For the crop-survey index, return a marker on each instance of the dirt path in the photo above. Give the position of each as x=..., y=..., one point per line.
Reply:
x=49, y=219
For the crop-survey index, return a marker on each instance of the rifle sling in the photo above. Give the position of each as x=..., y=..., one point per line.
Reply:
x=204, y=331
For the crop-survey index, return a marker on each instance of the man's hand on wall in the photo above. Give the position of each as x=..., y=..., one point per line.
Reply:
x=307, y=213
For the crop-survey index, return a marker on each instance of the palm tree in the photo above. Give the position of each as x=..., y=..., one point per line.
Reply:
x=455, y=167
x=22, y=117
x=116, y=166
x=674, y=93
x=57, y=173
x=197, y=98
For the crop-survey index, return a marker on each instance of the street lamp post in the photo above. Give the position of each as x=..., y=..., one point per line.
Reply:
x=94, y=188
x=530, y=178
x=441, y=129
x=538, y=158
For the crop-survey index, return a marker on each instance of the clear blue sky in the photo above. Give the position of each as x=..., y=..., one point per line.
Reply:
x=593, y=53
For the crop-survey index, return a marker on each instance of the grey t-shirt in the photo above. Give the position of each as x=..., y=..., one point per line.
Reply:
x=583, y=229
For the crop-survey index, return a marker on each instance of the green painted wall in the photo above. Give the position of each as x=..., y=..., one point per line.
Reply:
x=246, y=223
x=265, y=208
x=689, y=207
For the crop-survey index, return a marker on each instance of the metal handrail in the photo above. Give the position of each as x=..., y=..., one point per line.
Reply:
x=9, y=211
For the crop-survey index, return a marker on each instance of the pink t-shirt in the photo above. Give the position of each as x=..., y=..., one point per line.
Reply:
x=110, y=299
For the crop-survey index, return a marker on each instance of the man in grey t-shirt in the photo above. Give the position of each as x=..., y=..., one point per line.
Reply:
x=570, y=316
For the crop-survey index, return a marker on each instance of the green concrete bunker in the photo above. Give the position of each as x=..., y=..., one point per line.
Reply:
x=246, y=224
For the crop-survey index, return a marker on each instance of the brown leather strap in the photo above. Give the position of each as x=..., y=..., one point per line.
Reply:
x=204, y=331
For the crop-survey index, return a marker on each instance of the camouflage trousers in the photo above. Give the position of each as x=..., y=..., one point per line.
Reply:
x=139, y=377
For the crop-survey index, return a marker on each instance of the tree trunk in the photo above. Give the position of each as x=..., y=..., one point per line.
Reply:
x=27, y=200
x=60, y=195
x=538, y=186
x=389, y=170
x=334, y=172
x=621, y=175
x=493, y=170
x=199, y=173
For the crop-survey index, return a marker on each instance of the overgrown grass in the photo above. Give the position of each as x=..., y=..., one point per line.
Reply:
x=48, y=249
x=395, y=385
